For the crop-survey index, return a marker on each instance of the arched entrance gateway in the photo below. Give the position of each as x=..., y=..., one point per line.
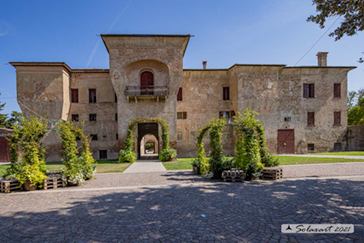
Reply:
x=147, y=132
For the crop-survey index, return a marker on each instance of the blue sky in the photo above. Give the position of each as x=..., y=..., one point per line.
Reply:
x=226, y=32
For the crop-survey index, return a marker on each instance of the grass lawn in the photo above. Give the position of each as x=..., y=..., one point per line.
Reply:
x=103, y=166
x=185, y=163
x=352, y=153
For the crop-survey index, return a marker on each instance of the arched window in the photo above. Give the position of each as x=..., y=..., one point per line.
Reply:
x=147, y=83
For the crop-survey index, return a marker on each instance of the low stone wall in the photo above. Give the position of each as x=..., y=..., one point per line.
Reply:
x=355, y=137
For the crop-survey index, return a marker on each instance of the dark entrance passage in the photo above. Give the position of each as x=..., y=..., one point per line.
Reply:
x=145, y=129
x=286, y=141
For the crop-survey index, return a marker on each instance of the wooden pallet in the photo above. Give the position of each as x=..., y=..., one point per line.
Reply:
x=272, y=173
x=233, y=175
x=7, y=186
x=52, y=183
x=54, y=173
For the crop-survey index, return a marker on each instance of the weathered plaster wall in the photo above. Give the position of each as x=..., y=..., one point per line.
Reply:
x=105, y=109
x=202, y=100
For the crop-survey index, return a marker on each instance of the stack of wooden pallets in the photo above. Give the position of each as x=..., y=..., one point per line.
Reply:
x=233, y=175
x=7, y=186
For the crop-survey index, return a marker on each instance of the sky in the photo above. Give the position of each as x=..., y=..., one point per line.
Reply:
x=225, y=33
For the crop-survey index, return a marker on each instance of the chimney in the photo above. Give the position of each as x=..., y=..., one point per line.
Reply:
x=322, y=59
x=204, y=64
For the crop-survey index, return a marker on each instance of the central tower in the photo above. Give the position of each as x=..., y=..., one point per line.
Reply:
x=146, y=72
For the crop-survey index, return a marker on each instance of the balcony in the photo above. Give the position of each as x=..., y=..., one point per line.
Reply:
x=146, y=92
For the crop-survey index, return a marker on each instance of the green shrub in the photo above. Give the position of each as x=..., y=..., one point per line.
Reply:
x=127, y=156
x=167, y=154
x=28, y=139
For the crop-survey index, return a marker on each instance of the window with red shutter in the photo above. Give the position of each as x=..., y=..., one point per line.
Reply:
x=310, y=118
x=182, y=115
x=74, y=95
x=337, y=118
x=226, y=93
x=179, y=95
x=337, y=90
x=92, y=95
x=308, y=90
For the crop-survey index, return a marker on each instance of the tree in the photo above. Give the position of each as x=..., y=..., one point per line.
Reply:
x=15, y=118
x=351, y=10
x=356, y=107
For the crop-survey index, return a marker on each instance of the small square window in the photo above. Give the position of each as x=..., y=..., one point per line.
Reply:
x=93, y=117
x=287, y=119
x=74, y=117
x=117, y=136
x=337, y=147
x=182, y=115
x=103, y=154
x=116, y=116
x=93, y=137
x=311, y=147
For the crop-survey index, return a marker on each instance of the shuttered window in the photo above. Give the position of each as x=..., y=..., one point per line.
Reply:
x=337, y=90
x=226, y=114
x=74, y=95
x=182, y=115
x=310, y=118
x=308, y=90
x=337, y=118
x=92, y=95
x=179, y=95
x=226, y=93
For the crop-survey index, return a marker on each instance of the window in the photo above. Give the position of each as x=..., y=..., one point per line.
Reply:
x=116, y=116
x=287, y=119
x=117, y=136
x=74, y=117
x=182, y=115
x=337, y=90
x=226, y=93
x=93, y=137
x=92, y=95
x=103, y=154
x=310, y=118
x=92, y=117
x=337, y=118
x=226, y=114
x=74, y=95
x=179, y=95
x=311, y=147
x=116, y=98
x=308, y=90
x=337, y=147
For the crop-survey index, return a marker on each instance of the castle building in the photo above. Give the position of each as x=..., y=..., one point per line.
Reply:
x=303, y=108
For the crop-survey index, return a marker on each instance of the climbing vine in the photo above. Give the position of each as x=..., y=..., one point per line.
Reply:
x=128, y=155
x=266, y=157
x=76, y=168
x=201, y=160
x=27, y=141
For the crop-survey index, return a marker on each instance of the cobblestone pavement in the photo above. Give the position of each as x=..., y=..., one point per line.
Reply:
x=234, y=212
x=146, y=166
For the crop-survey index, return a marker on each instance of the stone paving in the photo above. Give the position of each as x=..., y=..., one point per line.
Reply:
x=146, y=166
x=234, y=212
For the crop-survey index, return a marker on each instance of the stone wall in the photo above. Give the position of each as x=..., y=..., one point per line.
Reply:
x=355, y=138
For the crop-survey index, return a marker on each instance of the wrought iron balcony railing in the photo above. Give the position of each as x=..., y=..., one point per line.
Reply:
x=146, y=91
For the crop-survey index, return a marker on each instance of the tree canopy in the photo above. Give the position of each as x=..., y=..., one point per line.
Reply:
x=8, y=122
x=351, y=10
x=356, y=107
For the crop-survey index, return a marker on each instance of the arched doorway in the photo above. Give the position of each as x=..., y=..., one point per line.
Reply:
x=147, y=83
x=148, y=132
x=149, y=146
